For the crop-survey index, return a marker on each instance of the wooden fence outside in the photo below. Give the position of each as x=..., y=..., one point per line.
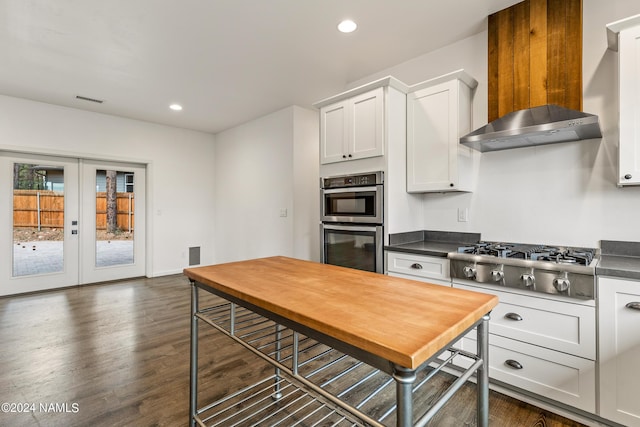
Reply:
x=45, y=209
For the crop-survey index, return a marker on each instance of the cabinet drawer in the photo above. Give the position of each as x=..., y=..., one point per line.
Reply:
x=421, y=279
x=552, y=374
x=417, y=266
x=557, y=325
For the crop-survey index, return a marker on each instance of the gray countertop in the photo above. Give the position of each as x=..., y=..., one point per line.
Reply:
x=618, y=259
x=430, y=248
x=430, y=243
x=624, y=267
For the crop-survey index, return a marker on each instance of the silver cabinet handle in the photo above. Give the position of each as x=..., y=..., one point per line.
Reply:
x=513, y=364
x=416, y=266
x=513, y=316
x=633, y=305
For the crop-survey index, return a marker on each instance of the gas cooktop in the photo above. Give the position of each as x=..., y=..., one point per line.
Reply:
x=562, y=270
x=556, y=254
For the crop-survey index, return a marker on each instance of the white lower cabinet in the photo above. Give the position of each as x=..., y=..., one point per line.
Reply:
x=543, y=345
x=555, y=375
x=619, y=346
x=424, y=268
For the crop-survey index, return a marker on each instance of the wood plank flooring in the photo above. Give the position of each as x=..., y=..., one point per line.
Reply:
x=117, y=354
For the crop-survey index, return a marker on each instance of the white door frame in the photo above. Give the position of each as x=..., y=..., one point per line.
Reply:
x=78, y=249
x=70, y=247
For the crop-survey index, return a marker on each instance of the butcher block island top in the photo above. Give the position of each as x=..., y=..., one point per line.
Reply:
x=403, y=321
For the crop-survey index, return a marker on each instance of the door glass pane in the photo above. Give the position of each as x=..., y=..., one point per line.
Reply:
x=115, y=206
x=38, y=219
x=351, y=249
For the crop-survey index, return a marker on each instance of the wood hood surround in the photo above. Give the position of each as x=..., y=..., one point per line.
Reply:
x=535, y=56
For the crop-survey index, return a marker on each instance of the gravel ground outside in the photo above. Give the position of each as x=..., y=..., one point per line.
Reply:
x=57, y=234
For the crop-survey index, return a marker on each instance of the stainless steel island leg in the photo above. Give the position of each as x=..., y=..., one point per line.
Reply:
x=193, y=369
x=405, y=378
x=277, y=393
x=482, y=373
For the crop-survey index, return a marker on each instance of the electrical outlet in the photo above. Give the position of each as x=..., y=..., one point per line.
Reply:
x=463, y=214
x=283, y=212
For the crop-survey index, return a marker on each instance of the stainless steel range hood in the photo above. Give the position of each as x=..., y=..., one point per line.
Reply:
x=546, y=124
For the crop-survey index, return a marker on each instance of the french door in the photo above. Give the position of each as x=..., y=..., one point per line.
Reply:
x=120, y=252
x=69, y=221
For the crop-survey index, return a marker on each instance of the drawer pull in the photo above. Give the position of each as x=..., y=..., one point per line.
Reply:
x=513, y=316
x=513, y=364
x=633, y=305
x=416, y=266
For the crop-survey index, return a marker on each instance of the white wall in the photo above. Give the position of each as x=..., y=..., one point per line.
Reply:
x=262, y=168
x=179, y=194
x=557, y=194
x=306, y=190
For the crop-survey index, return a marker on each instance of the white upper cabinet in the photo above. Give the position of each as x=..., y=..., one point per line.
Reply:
x=624, y=36
x=438, y=114
x=353, y=128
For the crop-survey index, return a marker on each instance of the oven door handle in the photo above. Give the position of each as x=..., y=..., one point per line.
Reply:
x=349, y=227
x=349, y=190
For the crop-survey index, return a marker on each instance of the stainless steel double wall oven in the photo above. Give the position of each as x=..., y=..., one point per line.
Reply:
x=351, y=229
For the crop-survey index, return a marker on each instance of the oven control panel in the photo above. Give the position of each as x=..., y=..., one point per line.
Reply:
x=362, y=180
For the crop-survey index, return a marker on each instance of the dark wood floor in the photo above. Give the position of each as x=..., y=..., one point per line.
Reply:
x=117, y=354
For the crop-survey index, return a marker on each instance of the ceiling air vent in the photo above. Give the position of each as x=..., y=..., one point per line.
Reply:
x=84, y=98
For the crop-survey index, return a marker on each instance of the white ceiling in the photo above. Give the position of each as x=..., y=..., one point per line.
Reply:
x=225, y=61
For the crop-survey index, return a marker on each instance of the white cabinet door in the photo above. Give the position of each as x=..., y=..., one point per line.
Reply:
x=555, y=375
x=367, y=125
x=619, y=345
x=629, y=69
x=334, y=132
x=436, y=118
x=353, y=129
x=557, y=325
x=542, y=345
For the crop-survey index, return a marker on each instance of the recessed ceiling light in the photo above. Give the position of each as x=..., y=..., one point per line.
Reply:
x=175, y=107
x=347, y=26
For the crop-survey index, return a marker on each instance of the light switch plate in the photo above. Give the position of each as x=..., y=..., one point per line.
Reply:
x=463, y=214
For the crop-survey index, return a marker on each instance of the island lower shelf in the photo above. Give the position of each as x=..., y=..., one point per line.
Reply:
x=318, y=379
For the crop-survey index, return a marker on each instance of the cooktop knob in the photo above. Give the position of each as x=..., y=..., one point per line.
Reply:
x=528, y=280
x=497, y=275
x=562, y=284
x=469, y=272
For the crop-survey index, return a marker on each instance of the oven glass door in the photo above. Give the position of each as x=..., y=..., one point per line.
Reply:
x=353, y=205
x=358, y=247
